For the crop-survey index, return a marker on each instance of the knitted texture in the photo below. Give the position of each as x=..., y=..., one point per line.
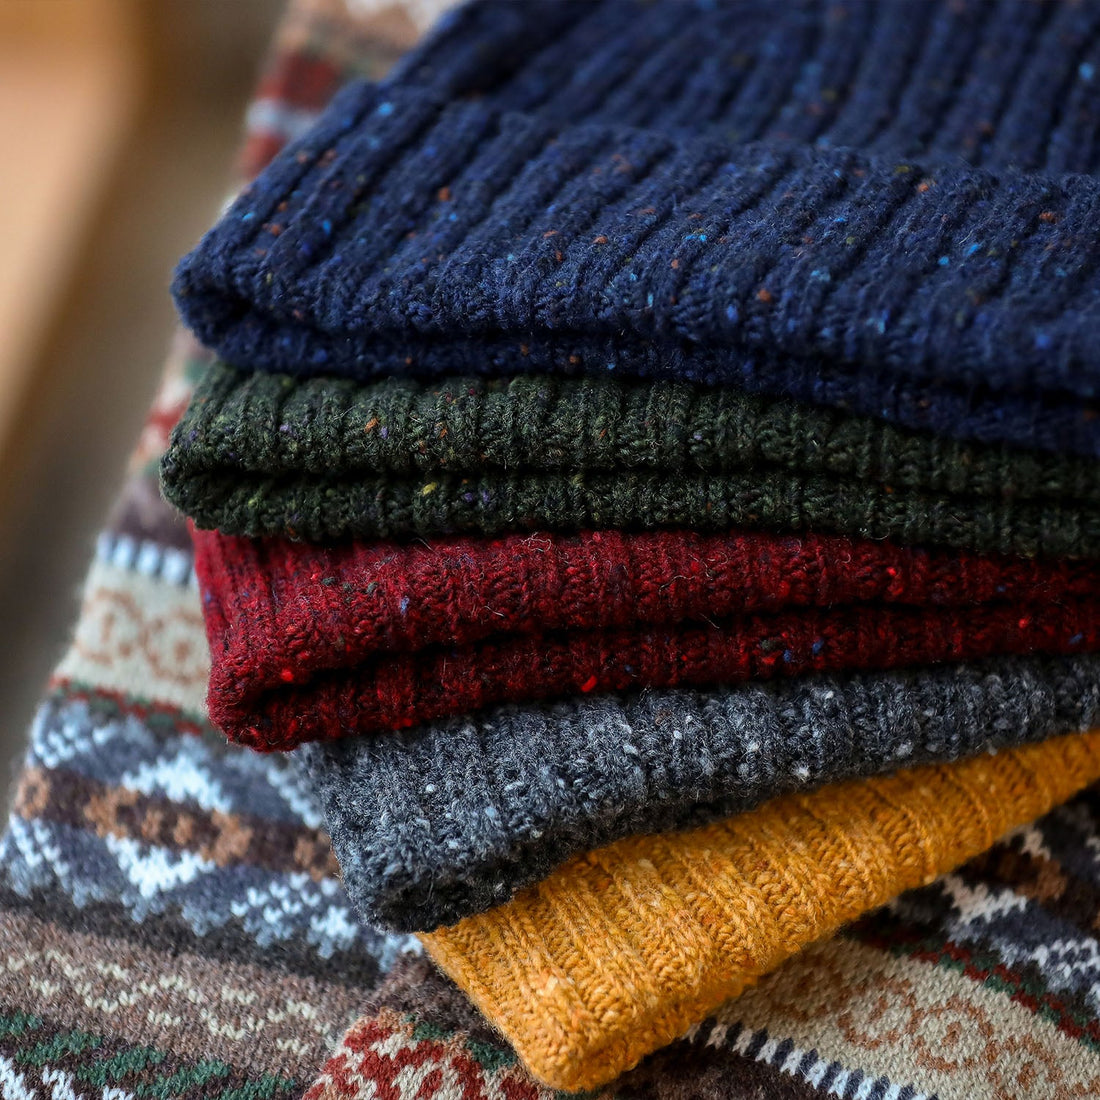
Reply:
x=171, y=923
x=320, y=459
x=315, y=643
x=445, y=821
x=889, y=210
x=623, y=949
x=978, y=986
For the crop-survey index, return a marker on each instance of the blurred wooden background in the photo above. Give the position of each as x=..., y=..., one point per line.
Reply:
x=119, y=120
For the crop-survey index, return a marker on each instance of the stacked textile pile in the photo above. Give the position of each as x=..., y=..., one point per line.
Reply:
x=171, y=922
x=639, y=431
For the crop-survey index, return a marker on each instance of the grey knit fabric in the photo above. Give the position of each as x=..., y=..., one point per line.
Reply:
x=439, y=822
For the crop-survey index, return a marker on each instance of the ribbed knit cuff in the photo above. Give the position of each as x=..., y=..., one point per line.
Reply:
x=260, y=454
x=623, y=949
x=315, y=643
x=447, y=820
x=528, y=211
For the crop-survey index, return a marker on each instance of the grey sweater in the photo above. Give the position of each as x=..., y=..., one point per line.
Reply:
x=436, y=823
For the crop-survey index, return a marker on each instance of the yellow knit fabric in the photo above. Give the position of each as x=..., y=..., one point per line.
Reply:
x=622, y=950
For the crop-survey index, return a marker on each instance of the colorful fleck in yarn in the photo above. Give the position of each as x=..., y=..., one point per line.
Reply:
x=951, y=965
x=261, y=454
x=890, y=211
x=171, y=921
x=447, y=820
x=315, y=642
x=623, y=949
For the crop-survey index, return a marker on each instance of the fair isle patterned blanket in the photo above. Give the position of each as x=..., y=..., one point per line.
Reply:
x=172, y=922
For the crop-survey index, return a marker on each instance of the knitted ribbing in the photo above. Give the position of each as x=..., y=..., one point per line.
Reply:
x=443, y=821
x=895, y=236
x=261, y=454
x=622, y=950
x=319, y=642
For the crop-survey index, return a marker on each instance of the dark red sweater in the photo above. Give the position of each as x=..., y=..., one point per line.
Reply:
x=312, y=643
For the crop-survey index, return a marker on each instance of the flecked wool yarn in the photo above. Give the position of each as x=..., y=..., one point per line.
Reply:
x=319, y=642
x=623, y=949
x=261, y=454
x=889, y=209
x=446, y=820
x=172, y=920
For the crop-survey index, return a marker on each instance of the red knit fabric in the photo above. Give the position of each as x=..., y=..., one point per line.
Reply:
x=312, y=643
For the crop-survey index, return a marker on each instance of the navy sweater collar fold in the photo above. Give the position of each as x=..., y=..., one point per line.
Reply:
x=889, y=208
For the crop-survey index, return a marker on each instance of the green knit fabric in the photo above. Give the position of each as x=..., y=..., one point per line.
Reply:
x=262, y=454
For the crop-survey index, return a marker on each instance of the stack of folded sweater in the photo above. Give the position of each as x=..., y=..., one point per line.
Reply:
x=651, y=469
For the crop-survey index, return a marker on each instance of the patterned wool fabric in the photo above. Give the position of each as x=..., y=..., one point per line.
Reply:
x=447, y=820
x=625, y=948
x=321, y=459
x=315, y=643
x=945, y=995
x=888, y=208
x=171, y=924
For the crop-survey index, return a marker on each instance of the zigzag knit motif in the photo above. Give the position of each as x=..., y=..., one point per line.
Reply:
x=313, y=643
x=423, y=841
x=586, y=188
x=260, y=454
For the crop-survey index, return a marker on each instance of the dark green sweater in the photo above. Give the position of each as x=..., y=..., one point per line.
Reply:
x=323, y=458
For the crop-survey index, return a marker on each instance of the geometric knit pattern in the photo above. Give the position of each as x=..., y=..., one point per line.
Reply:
x=170, y=911
x=623, y=949
x=442, y=821
x=316, y=642
x=321, y=459
x=172, y=922
x=887, y=208
x=103, y=788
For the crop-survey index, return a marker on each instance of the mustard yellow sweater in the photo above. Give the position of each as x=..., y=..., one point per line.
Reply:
x=622, y=950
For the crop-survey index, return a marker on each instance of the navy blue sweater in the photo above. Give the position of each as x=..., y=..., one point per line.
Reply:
x=890, y=208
